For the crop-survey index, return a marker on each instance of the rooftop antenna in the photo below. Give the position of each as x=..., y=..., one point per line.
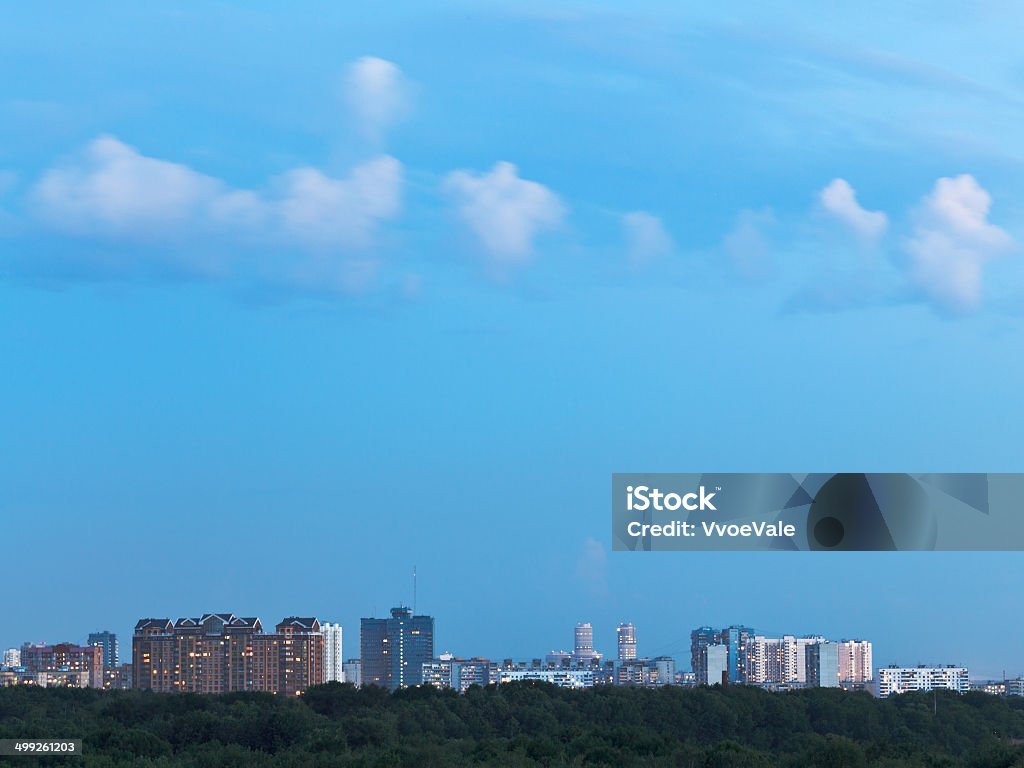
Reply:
x=414, y=590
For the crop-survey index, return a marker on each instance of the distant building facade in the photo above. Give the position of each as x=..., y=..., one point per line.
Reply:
x=647, y=673
x=700, y=639
x=625, y=635
x=715, y=660
x=12, y=658
x=583, y=648
x=855, y=662
x=448, y=671
x=738, y=641
x=353, y=672
x=893, y=680
x=60, y=678
x=563, y=678
x=221, y=652
x=108, y=642
x=393, y=651
x=822, y=662
x=333, y=658
x=83, y=662
x=778, y=661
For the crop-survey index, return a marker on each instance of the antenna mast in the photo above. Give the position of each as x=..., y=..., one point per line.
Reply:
x=414, y=590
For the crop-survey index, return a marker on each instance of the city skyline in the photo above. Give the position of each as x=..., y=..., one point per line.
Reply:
x=276, y=327
x=848, y=660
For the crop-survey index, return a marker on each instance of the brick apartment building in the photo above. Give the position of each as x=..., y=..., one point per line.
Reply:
x=64, y=658
x=221, y=652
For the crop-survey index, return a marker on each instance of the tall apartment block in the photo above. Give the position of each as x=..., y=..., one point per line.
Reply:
x=221, y=652
x=822, y=662
x=83, y=661
x=778, y=661
x=583, y=648
x=334, y=662
x=394, y=650
x=108, y=642
x=855, y=662
x=700, y=639
x=625, y=636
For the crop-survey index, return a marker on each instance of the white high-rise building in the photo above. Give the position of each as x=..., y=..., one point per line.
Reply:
x=855, y=661
x=333, y=660
x=717, y=663
x=583, y=649
x=353, y=671
x=626, y=636
x=894, y=680
x=12, y=658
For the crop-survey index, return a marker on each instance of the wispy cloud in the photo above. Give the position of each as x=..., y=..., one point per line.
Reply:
x=504, y=212
x=114, y=193
x=840, y=201
x=748, y=246
x=951, y=241
x=646, y=238
x=378, y=94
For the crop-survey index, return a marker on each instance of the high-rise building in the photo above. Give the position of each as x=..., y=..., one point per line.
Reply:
x=583, y=649
x=393, y=651
x=778, y=661
x=85, y=662
x=715, y=663
x=108, y=642
x=738, y=639
x=221, y=652
x=822, y=664
x=12, y=658
x=353, y=672
x=855, y=662
x=333, y=659
x=626, y=637
x=700, y=639
x=895, y=680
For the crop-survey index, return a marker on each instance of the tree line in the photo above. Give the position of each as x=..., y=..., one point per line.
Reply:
x=521, y=724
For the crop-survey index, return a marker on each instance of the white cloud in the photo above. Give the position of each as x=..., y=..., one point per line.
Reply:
x=646, y=238
x=840, y=200
x=377, y=93
x=322, y=211
x=748, y=246
x=112, y=189
x=951, y=241
x=504, y=211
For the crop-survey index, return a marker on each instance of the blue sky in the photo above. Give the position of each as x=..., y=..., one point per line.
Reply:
x=291, y=300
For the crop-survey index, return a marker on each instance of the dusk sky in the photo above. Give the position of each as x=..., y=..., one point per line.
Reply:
x=292, y=300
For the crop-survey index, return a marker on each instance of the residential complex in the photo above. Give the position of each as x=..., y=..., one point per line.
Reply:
x=894, y=680
x=81, y=663
x=221, y=652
